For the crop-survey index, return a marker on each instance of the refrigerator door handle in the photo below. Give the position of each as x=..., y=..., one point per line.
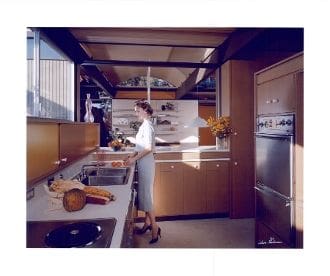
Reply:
x=266, y=190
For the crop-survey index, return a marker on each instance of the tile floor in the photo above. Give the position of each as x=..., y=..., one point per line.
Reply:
x=201, y=233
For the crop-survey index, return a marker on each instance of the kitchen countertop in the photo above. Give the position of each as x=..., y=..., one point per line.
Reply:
x=167, y=149
x=39, y=208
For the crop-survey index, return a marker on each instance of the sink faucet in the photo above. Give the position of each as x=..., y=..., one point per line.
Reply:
x=82, y=173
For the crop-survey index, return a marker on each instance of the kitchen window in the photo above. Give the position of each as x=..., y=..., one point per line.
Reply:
x=50, y=80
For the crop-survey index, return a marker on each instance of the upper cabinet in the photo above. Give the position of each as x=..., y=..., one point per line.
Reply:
x=42, y=149
x=276, y=87
x=53, y=145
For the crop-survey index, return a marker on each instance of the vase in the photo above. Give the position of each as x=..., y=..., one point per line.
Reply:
x=116, y=148
x=223, y=142
x=88, y=118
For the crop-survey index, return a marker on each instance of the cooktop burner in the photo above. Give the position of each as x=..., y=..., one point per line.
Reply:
x=67, y=234
x=74, y=235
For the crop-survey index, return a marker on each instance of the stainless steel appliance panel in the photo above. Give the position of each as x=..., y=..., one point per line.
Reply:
x=276, y=212
x=274, y=162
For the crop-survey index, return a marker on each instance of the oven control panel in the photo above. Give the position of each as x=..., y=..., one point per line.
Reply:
x=276, y=124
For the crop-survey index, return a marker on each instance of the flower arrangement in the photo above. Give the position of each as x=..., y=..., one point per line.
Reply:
x=116, y=144
x=220, y=127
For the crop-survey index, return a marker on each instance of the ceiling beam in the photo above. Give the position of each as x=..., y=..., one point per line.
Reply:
x=94, y=73
x=198, y=75
x=62, y=39
x=137, y=63
x=65, y=42
x=235, y=42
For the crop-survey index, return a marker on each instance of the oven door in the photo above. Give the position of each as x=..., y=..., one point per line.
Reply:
x=274, y=162
x=275, y=211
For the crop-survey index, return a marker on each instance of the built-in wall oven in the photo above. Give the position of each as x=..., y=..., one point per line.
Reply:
x=274, y=178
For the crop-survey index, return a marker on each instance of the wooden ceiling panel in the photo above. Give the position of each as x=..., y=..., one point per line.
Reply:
x=161, y=36
x=129, y=52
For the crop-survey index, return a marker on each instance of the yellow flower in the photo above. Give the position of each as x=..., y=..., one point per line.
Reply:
x=219, y=127
x=116, y=143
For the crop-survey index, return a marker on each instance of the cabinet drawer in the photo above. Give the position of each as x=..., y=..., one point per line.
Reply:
x=214, y=165
x=171, y=166
x=193, y=165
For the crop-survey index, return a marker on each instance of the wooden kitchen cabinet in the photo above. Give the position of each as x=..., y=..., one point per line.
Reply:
x=237, y=88
x=76, y=140
x=51, y=145
x=217, y=186
x=276, y=95
x=194, y=188
x=186, y=186
x=276, y=86
x=168, y=189
x=42, y=149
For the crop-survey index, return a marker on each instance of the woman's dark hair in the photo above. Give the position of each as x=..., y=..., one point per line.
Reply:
x=145, y=106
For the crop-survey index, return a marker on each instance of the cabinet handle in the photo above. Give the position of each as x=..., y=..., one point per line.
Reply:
x=275, y=100
x=57, y=162
x=172, y=167
x=235, y=133
x=218, y=165
x=64, y=159
x=268, y=102
x=235, y=163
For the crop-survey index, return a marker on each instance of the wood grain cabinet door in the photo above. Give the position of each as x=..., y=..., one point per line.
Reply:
x=194, y=188
x=42, y=149
x=277, y=95
x=76, y=140
x=217, y=186
x=168, y=189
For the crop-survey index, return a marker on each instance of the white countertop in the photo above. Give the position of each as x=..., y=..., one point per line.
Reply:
x=39, y=208
x=167, y=149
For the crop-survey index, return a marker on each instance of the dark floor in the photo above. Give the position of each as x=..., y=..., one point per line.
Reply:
x=201, y=233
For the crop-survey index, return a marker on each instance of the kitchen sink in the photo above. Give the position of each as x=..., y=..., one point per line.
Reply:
x=104, y=176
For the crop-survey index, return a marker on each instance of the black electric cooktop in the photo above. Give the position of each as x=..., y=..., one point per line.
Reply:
x=91, y=233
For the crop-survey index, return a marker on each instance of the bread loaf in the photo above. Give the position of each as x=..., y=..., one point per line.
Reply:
x=62, y=186
x=96, y=191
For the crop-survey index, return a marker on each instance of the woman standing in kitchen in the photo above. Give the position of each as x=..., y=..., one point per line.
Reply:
x=144, y=156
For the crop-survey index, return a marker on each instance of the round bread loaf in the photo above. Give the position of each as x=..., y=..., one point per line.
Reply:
x=74, y=200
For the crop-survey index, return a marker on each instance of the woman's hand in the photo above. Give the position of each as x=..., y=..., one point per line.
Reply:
x=129, y=161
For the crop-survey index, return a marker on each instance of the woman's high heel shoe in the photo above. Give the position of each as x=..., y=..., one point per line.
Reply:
x=154, y=240
x=143, y=230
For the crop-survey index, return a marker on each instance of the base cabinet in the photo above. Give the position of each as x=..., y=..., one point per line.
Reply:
x=191, y=188
x=194, y=192
x=168, y=189
x=217, y=187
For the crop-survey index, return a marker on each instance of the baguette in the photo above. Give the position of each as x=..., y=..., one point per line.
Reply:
x=91, y=190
